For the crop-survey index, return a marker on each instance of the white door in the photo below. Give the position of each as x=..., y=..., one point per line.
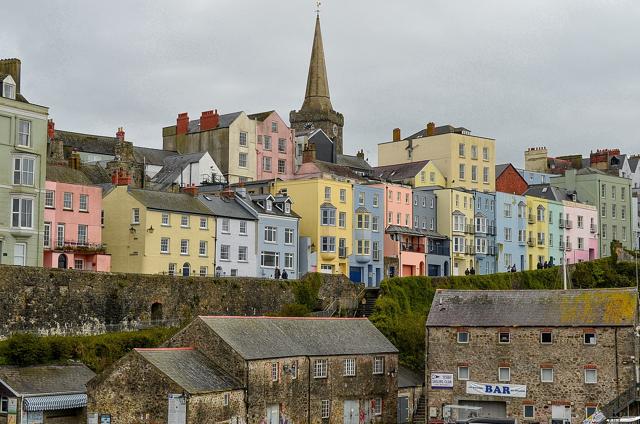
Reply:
x=351, y=412
x=20, y=254
x=273, y=414
x=560, y=414
x=177, y=409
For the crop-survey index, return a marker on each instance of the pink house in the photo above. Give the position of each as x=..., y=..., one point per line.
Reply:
x=580, y=232
x=72, y=222
x=274, y=147
x=404, y=247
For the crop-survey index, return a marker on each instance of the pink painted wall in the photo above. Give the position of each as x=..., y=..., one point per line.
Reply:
x=264, y=129
x=590, y=250
x=71, y=218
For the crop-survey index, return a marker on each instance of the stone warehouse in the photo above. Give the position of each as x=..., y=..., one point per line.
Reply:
x=256, y=370
x=535, y=355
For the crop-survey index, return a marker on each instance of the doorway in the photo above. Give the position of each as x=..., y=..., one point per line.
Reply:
x=560, y=414
x=351, y=412
x=273, y=414
x=62, y=261
x=403, y=410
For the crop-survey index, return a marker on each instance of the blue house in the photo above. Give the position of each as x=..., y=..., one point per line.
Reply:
x=277, y=235
x=511, y=231
x=367, y=260
x=425, y=219
x=485, y=232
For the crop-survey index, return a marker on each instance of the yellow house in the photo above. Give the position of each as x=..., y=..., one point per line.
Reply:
x=537, y=231
x=455, y=210
x=151, y=232
x=325, y=206
x=422, y=173
x=465, y=160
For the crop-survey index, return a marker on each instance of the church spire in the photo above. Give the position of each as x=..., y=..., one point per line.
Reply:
x=317, y=95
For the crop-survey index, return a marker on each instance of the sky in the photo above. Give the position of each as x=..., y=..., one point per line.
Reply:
x=562, y=74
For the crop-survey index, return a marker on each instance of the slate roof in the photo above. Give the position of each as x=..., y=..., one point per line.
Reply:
x=264, y=337
x=399, y=172
x=335, y=169
x=633, y=163
x=166, y=201
x=252, y=202
x=408, y=378
x=224, y=121
x=353, y=162
x=96, y=174
x=172, y=167
x=261, y=116
x=534, y=308
x=65, y=174
x=47, y=379
x=225, y=207
x=152, y=156
x=189, y=369
x=547, y=191
x=501, y=167
x=443, y=129
x=590, y=171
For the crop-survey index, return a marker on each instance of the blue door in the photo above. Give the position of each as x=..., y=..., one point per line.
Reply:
x=355, y=274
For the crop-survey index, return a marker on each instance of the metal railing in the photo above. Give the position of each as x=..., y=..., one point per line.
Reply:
x=624, y=399
x=74, y=245
x=594, y=229
x=531, y=243
x=568, y=224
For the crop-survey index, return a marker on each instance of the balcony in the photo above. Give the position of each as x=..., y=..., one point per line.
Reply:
x=561, y=223
x=540, y=242
x=569, y=247
x=491, y=230
x=492, y=251
x=412, y=247
x=568, y=224
x=593, y=229
x=469, y=228
x=531, y=219
x=531, y=243
x=342, y=253
x=78, y=247
x=438, y=251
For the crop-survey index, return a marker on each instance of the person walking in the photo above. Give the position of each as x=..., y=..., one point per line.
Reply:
x=276, y=273
x=284, y=275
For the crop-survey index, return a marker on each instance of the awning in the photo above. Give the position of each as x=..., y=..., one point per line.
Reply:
x=52, y=403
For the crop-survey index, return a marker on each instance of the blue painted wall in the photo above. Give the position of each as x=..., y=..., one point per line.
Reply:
x=368, y=269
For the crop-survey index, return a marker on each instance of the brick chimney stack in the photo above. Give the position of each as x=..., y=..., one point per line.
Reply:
x=191, y=189
x=182, y=123
x=51, y=129
x=396, y=134
x=74, y=160
x=12, y=67
x=120, y=134
x=209, y=120
x=360, y=154
x=309, y=153
x=431, y=129
x=120, y=177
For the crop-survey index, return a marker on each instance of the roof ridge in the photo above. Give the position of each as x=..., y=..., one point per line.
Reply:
x=161, y=349
x=282, y=318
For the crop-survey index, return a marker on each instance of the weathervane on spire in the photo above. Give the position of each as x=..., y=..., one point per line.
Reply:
x=318, y=4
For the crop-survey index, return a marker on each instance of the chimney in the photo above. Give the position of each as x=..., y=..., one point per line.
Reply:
x=228, y=193
x=431, y=129
x=120, y=134
x=11, y=67
x=182, y=123
x=309, y=153
x=51, y=129
x=360, y=154
x=241, y=192
x=191, y=189
x=209, y=120
x=396, y=134
x=120, y=178
x=74, y=160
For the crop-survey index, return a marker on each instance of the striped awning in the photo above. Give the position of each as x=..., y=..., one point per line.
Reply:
x=52, y=403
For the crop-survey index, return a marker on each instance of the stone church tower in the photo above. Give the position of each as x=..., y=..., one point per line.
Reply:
x=316, y=111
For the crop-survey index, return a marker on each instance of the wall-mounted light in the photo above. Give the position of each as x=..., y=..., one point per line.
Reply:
x=150, y=230
x=132, y=230
x=393, y=373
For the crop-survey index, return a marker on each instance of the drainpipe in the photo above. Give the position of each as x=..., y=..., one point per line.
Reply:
x=308, y=390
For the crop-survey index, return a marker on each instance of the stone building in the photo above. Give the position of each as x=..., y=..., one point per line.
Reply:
x=535, y=355
x=158, y=385
x=302, y=370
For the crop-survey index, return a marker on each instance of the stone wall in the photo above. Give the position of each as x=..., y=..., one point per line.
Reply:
x=52, y=301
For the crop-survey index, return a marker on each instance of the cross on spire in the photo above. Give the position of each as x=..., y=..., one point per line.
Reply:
x=318, y=4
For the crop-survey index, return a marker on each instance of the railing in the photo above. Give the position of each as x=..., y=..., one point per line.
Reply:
x=342, y=253
x=540, y=242
x=329, y=311
x=561, y=223
x=593, y=228
x=78, y=246
x=469, y=228
x=568, y=224
x=410, y=247
x=531, y=219
x=623, y=400
x=569, y=247
x=441, y=251
x=530, y=242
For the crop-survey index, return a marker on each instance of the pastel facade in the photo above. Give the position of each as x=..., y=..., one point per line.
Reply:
x=275, y=148
x=425, y=219
x=422, y=173
x=537, y=231
x=557, y=240
x=485, y=233
x=72, y=227
x=456, y=219
x=23, y=152
x=581, y=240
x=325, y=206
x=366, y=263
x=150, y=232
x=511, y=232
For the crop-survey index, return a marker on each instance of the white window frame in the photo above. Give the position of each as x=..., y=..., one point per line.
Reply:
x=242, y=159
x=225, y=252
x=543, y=379
x=593, y=379
x=320, y=368
x=166, y=219
x=67, y=201
x=60, y=230
x=22, y=135
x=378, y=365
x=460, y=376
x=21, y=176
x=270, y=234
x=546, y=332
x=243, y=139
x=135, y=216
x=350, y=367
x=289, y=261
x=202, y=248
x=204, y=223
x=500, y=333
x=463, y=340
x=325, y=408
x=83, y=234
x=327, y=193
x=184, y=247
x=328, y=244
x=377, y=406
x=50, y=199
x=184, y=221
x=343, y=195
x=20, y=213
x=594, y=338
x=342, y=219
x=275, y=372
x=168, y=245
x=78, y=263
x=225, y=227
x=243, y=254
x=266, y=163
x=46, y=235
x=83, y=206
x=524, y=411
x=508, y=374
x=288, y=236
x=243, y=228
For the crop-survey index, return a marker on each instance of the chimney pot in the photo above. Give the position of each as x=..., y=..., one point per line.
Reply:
x=51, y=129
x=431, y=129
x=209, y=120
x=191, y=189
x=396, y=134
x=120, y=134
x=182, y=123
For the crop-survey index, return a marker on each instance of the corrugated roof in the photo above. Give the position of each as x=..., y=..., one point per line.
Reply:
x=400, y=171
x=533, y=308
x=167, y=201
x=225, y=207
x=65, y=174
x=189, y=369
x=51, y=379
x=264, y=337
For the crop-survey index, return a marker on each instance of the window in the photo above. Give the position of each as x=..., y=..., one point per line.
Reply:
x=78, y=264
x=164, y=245
x=580, y=243
x=288, y=236
x=603, y=190
x=398, y=196
x=378, y=365
x=287, y=207
x=50, y=199
x=375, y=201
x=485, y=175
x=172, y=269
x=327, y=193
x=269, y=259
x=504, y=374
x=328, y=244
x=184, y=247
x=374, y=223
x=267, y=142
x=362, y=221
x=461, y=150
x=224, y=252
x=342, y=219
x=225, y=226
x=47, y=234
x=361, y=199
x=432, y=177
x=390, y=218
x=590, y=410
x=4, y=404
x=349, y=367
x=20, y=254
x=60, y=234
x=22, y=212
x=376, y=250
x=416, y=221
x=463, y=372
x=376, y=406
x=540, y=214
x=165, y=219
x=398, y=218
x=504, y=337
x=234, y=272
x=546, y=375
x=390, y=195
x=320, y=368
x=328, y=217
x=507, y=210
x=268, y=205
x=613, y=211
x=474, y=173
x=622, y=193
x=23, y=170
x=589, y=338
x=67, y=203
x=288, y=260
x=282, y=145
x=485, y=153
x=603, y=210
x=274, y=371
x=266, y=164
x=406, y=198
x=343, y=195
x=474, y=152
x=546, y=337
x=24, y=133
x=202, y=248
x=184, y=221
x=613, y=192
x=623, y=212
x=243, y=253
x=282, y=166
x=325, y=408
x=242, y=160
x=270, y=234
x=604, y=231
x=461, y=171
x=9, y=91
x=458, y=244
x=528, y=411
x=84, y=203
x=243, y=139
x=432, y=203
x=590, y=376
x=226, y=395
x=458, y=223
x=363, y=247
x=507, y=233
x=82, y=234
x=463, y=337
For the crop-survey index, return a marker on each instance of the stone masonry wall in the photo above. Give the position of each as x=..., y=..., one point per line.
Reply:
x=52, y=301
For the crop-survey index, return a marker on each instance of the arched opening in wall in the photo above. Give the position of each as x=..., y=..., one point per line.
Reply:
x=156, y=312
x=186, y=269
x=62, y=261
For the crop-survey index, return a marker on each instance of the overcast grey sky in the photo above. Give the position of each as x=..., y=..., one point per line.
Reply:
x=565, y=74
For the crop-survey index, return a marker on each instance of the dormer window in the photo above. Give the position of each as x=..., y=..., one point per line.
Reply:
x=269, y=205
x=287, y=207
x=9, y=88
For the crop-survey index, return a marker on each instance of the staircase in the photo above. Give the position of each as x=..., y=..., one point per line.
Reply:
x=622, y=402
x=368, y=302
x=420, y=414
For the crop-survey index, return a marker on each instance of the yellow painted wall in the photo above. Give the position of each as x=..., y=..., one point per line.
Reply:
x=534, y=227
x=449, y=201
x=423, y=179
